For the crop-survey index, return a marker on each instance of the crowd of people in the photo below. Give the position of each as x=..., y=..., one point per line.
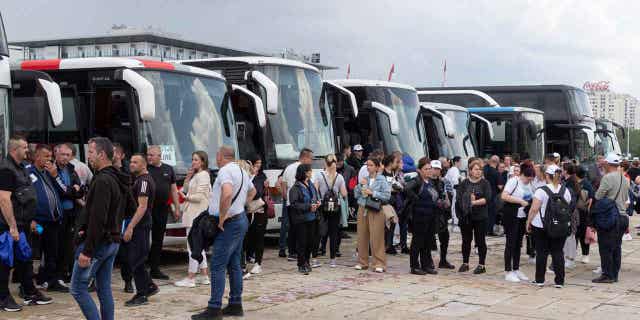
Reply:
x=81, y=220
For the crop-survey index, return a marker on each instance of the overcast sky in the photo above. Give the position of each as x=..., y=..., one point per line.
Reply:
x=485, y=42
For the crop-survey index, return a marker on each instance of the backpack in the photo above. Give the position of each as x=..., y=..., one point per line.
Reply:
x=557, y=217
x=605, y=212
x=330, y=204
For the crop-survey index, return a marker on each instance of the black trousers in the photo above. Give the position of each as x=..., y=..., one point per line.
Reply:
x=333, y=233
x=123, y=260
x=474, y=230
x=544, y=247
x=160, y=215
x=610, y=245
x=254, y=242
x=291, y=237
x=514, y=229
x=304, y=241
x=66, y=247
x=388, y=235
x=23, y=269
x=580, y=237
x=50, y=245
x=137, y=251
x=421, y=243
x=443, y=237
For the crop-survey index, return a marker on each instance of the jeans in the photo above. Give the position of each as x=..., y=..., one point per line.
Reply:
x=227, y=253
x=610, y=244
x=474, y=230
x=160, y=215
x=100, y=269
x=544, y=247
x=284, y=227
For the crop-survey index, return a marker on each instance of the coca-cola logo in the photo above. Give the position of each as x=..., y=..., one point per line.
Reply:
x=596, y=86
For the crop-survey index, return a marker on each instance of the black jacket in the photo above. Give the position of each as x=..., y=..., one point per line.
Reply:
x=299, y=207
x=108, y=200
x=202, y=234
x=23, y=198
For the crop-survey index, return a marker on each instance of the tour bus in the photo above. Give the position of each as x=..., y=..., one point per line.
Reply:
x=297, y=114
x=139, y=103
x=24, y=95
x=448, y=131
x=606, y=137
x=569, y=122
x=387, y=118
x=515, y=130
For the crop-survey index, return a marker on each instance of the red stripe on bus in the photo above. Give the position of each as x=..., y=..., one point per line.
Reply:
x=51, y=64
x=152, y=64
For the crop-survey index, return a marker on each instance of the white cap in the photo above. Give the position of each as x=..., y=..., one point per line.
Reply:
x=613, y=158
x=436, y=164
x=552, y=169
x=357, y=147
x=556, y=155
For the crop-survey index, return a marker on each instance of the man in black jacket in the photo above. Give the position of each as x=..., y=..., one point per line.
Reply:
x=99, y=231
x=71, y=192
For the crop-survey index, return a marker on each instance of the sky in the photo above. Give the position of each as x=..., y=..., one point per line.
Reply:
x=484, y=42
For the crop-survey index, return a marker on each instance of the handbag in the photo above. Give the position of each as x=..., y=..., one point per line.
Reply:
x=271, y=210
x=591, y=236
x=373, y=204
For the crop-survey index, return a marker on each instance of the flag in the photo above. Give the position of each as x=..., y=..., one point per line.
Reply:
x=348, y=70
x=392, y=71
x=444, y=73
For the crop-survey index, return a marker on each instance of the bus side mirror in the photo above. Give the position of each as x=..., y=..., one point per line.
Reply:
x=54, y=98
x=394, y=124
x=351, y=97
x=269, y=86
x=257, y=102
x=144, y=89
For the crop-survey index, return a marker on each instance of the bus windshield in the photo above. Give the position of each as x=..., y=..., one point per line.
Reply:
x=188, y=117
x=303, y=119
x=579, y=104
x=460, y=145
x=4, y=46
x=531, y=139
x=405, y=103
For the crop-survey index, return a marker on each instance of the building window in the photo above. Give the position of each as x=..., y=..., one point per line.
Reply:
x=115, y=51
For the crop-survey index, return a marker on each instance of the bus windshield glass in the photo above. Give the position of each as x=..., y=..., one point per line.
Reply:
x=405, y=103
x=302, y=120
x=4, y=46
x=579, y=104
x=188, y=117
x=460, y=145
x=530, y=136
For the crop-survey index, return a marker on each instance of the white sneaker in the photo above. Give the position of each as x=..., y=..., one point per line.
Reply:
x=627, y=237
x=521, y=275
x=598, y=270
x=246, y=276
x=204, y=280
x=585, y=259
x=315, y=263
x=379, y=270
x=332, y=263
x=511, y=276
x=186, y=283
x=257, y=269
x=358, y=267
x=569, y=264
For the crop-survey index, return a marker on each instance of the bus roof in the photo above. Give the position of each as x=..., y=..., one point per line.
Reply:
x=108, y=63
x=203, y=63
x=514, y=88
x=503, y=109
x=445, y=106
x=372, y=83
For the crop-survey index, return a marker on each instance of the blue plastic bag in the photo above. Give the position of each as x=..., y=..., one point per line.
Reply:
x=6, y=249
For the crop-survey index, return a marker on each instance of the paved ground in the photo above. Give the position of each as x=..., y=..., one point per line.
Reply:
x=344, y=293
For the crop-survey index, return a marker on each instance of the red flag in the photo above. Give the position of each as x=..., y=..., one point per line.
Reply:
x=348, y=70
x=392, y=71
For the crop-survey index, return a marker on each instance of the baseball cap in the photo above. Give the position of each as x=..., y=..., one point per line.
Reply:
x=552, y=169
x=613, y=158
x=436, y=164
x=556, y=155
x=357, y=147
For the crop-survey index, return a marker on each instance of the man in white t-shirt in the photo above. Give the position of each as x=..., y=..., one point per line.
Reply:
x=288, y=180
x=229, y=195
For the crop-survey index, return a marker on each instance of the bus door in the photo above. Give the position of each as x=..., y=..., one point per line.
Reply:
x=482, y=135
x=250, y=117
x=113, y=115
x=434, y=140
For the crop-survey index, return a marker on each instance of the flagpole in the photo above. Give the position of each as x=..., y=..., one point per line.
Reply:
x=348, y=70
x=444, y=73
x=393, y=69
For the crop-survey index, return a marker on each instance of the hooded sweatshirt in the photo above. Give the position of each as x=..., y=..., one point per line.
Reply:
x=108, y=198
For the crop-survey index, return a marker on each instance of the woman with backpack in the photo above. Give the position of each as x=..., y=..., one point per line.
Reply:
x=304, y=205
x=331, y=186
x=372, y=192
x=473, y=215
x=550, y=201
x=517, y=196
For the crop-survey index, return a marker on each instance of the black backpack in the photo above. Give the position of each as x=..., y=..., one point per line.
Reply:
x=330, y=204
x=557, y=215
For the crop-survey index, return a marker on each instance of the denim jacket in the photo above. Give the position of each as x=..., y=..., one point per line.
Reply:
x=381, y=190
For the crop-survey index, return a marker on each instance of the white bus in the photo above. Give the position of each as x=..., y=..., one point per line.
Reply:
x=138, y=103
